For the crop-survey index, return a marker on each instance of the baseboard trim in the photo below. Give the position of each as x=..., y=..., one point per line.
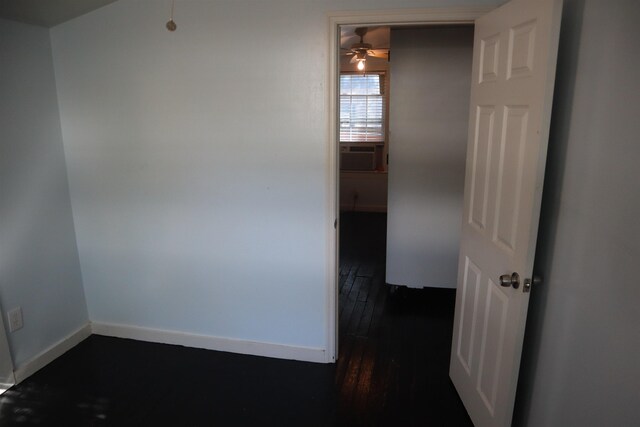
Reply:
x=50, y=354
x=279, y=351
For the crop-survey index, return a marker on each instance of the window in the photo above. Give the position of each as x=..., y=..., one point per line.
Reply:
x=362, y=108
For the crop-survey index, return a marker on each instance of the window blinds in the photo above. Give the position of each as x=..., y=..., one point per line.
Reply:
x=362, y=108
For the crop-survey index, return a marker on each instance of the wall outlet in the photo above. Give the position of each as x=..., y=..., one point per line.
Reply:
x=15, y=319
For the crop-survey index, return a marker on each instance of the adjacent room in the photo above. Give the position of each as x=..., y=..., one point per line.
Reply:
x=400, y=211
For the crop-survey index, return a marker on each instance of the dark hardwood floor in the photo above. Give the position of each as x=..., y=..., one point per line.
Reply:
x=392, y=367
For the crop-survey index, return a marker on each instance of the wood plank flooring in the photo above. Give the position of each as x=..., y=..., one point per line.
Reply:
x=392, y=368
x=394, y=350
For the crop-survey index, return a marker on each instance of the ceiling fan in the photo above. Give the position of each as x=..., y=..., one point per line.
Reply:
x=360, y=51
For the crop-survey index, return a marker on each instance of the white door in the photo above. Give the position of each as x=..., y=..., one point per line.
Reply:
x=514, y=60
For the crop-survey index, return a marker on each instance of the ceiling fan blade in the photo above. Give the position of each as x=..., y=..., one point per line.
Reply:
x=353, y=60
x=379, y=53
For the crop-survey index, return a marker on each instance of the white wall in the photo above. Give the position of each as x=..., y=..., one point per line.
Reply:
x=39, y=266
x=197, y=163
x=363, y=191
x=580, y=360
x=429, y=120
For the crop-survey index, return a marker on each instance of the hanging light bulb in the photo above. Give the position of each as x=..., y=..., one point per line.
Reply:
x=171, y=26
x=361, y=57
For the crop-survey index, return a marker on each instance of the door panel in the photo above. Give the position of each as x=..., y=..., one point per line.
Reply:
x=510, y=169
x=495, y=320
x=482, y=145
x=468, y=316
x=513, y=73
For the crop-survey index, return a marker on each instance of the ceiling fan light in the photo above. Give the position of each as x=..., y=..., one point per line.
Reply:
x=361, y=65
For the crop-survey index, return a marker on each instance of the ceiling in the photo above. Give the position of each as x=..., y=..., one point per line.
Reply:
x=47, y=13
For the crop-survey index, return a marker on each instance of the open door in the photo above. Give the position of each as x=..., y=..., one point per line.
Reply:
x=514, y=59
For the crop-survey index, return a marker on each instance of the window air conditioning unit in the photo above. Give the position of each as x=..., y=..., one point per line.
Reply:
x=358, y=157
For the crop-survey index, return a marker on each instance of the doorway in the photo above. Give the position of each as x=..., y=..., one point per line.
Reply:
x=403, y=18
x=392, y=351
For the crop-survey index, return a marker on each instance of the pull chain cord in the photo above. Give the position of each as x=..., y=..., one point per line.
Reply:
x=171, y=26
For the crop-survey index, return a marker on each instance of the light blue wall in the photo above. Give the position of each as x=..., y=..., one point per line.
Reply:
x=39, y=266
x=580, y=359
x=198, y=163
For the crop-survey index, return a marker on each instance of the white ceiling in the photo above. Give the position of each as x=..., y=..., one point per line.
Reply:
x=47, y=13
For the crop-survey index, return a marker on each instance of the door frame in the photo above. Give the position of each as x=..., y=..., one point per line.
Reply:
x=397, y=17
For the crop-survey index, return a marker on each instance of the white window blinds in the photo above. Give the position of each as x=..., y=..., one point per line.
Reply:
x=362, y=108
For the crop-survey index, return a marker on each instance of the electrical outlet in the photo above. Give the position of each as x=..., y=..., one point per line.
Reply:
x=15, y=319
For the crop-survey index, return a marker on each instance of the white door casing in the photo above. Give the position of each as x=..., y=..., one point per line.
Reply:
x=514, y=59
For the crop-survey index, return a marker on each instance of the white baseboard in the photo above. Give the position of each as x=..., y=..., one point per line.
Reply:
x=47, y=356
x=279, y=351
